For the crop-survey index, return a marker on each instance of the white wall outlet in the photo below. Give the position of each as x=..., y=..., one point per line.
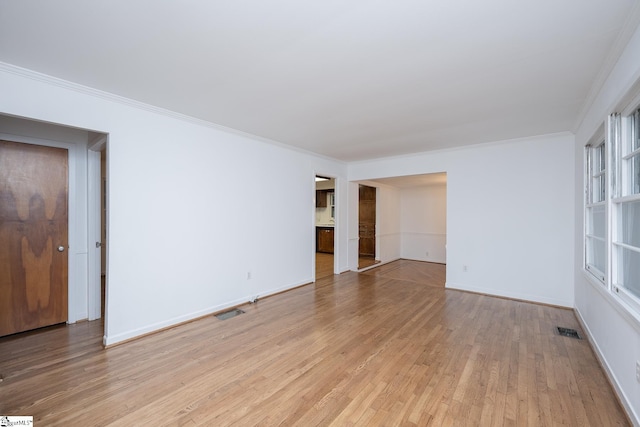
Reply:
x=427, y=253
x=248, y=275
x=464, y=268
x=638, y=370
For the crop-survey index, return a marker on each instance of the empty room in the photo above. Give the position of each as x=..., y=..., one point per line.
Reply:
x=332, y=213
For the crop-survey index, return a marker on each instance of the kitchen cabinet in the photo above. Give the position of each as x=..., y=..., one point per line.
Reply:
x=324, y=239
x=321, y=198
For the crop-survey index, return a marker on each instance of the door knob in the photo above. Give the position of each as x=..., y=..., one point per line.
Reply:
x=60, y=248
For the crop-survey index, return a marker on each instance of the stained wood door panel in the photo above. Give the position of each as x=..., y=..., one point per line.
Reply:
x=324, y=239
x=33, y=224
x=367, y=221
x=321, y=199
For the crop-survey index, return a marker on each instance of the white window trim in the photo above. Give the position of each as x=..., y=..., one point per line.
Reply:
x=596, y=141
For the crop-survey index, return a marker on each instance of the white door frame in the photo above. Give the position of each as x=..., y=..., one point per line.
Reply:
x=94, y=223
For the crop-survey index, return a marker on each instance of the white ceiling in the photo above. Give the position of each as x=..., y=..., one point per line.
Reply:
x=352, y=80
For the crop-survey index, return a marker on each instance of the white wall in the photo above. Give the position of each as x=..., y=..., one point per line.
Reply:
x=423, y=218
x=192, y=208
x=388, y=236
x=510, y=214
x=613, y=331
x=352, y=237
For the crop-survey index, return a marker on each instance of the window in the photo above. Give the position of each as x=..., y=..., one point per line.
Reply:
x=626, y=208
x=612, y=206
x=332, y=203
x=596, y=211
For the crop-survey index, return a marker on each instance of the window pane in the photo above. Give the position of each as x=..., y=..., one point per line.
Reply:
x=634, y=168
x=597, y=221
x=635, y=143
x=629, y=227
x=598, y=189
x=629, y=270
x=596, y=254
x=600, y=159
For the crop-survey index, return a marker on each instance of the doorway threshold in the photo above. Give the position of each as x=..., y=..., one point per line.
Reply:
x=364, y=262
x=368, y=265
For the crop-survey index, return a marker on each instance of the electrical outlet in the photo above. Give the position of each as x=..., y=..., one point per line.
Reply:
x=427, y=253
x=248, y=275
x=464, y=268
x=638, y=370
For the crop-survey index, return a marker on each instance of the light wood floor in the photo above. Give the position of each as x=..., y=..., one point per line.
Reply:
x=324, y=265
x=387, y=347
x=364, y=262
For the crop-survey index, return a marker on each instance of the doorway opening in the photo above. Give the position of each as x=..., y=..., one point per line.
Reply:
x=83, y=293
x=412, y=214
x=325, y=221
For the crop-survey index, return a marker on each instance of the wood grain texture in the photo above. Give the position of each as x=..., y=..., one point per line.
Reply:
x=324, y=239
x=387, y=347
x=366, y=261
x=33, y=223
x=366, y=221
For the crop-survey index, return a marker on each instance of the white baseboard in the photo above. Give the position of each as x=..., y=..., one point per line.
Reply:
x=109, y=340
x=511, y=295
x=622, y=397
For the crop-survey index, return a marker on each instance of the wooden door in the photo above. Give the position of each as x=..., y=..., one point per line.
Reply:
x=33, y=236
x=367, y=222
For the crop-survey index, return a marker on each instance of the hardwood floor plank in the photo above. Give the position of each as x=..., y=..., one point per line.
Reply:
x=324, y=265
x=389, y=346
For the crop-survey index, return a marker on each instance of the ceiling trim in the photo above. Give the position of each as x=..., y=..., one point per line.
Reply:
x=466, y=147
x=97, y=93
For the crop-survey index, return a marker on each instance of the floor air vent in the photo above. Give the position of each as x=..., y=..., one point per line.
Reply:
x=568, y=332
x=229, y=314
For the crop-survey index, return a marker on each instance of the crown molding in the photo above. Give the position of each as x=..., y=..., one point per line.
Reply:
x=467, y=147
x=97, y=93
